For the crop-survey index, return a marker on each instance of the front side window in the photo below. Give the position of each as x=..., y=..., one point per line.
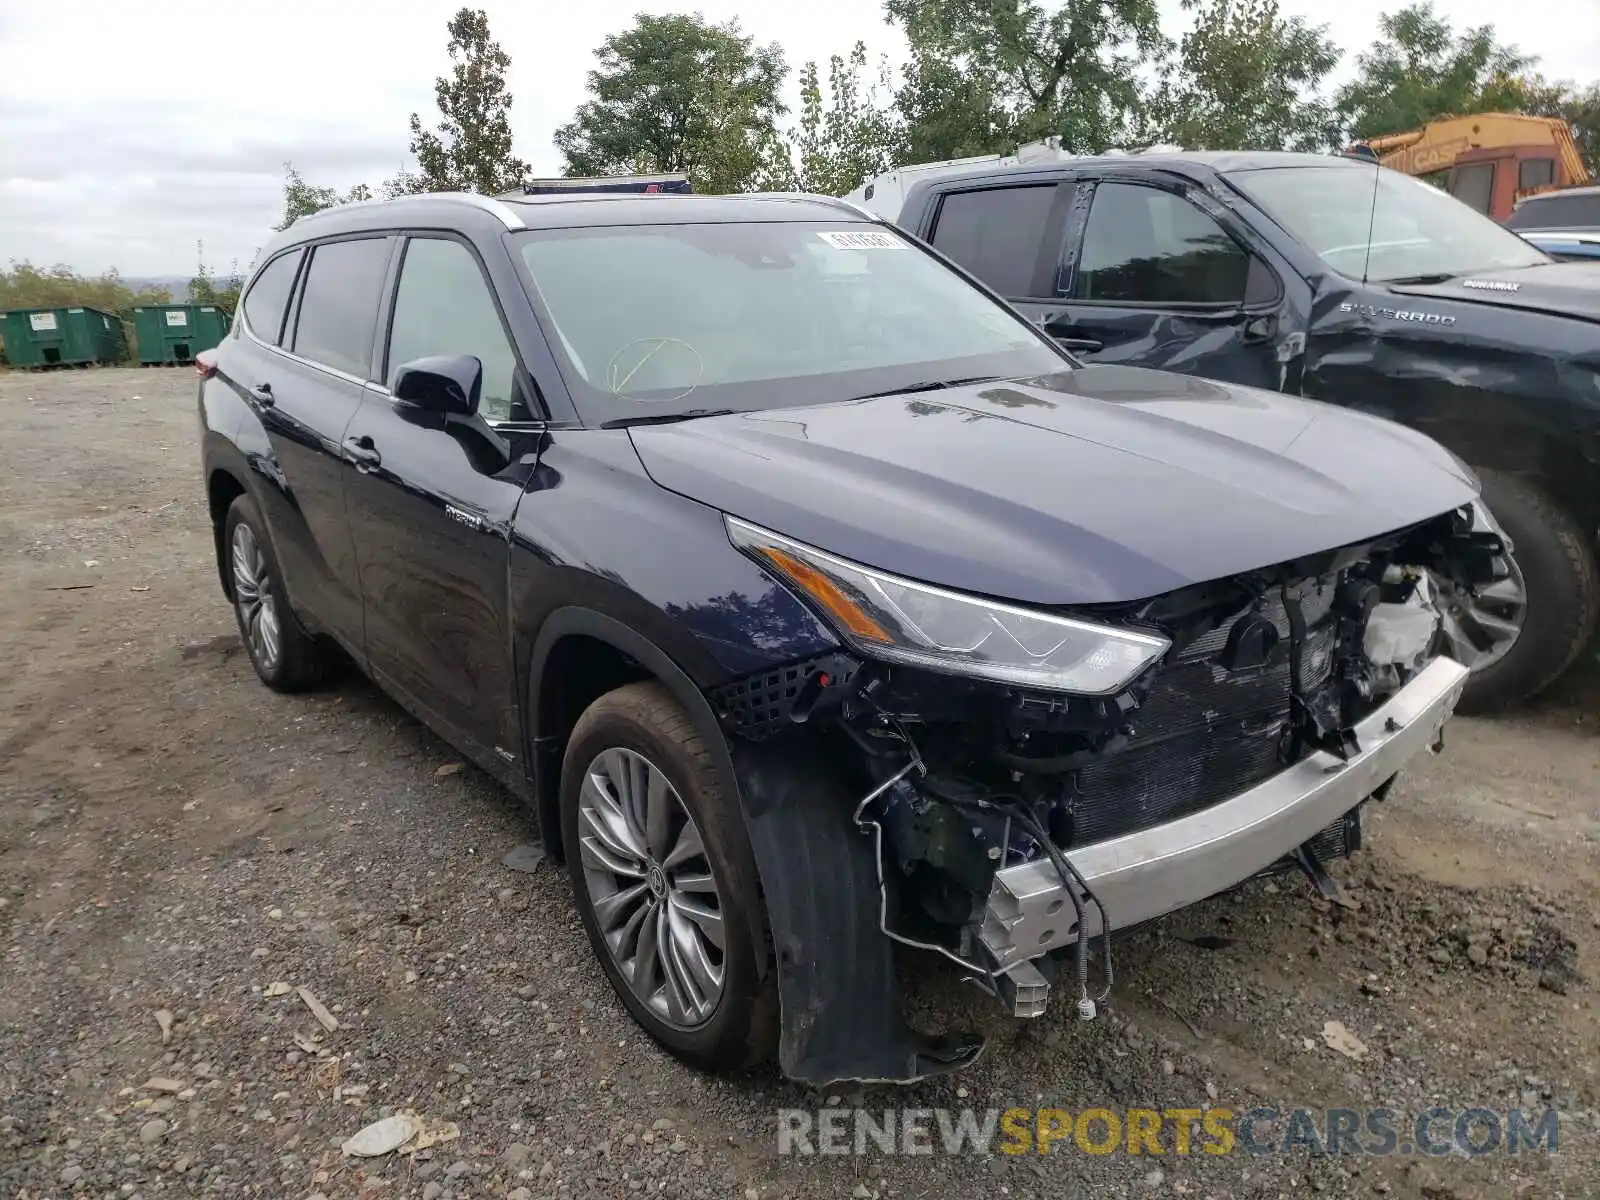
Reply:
x=1374, y=223
x=444, y=306
x=339, y=304
x=652, y=319
x=268, y=296
x=997, y=233
x=1142, y=245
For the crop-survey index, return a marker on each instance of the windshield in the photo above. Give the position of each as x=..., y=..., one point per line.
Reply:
x=1417, y=230
x=658, y=319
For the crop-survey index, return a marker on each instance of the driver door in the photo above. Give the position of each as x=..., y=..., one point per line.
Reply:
x=1158, y=281
x=431, y=502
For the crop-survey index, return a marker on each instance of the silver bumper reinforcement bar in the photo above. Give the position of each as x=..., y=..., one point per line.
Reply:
x=1142, y=875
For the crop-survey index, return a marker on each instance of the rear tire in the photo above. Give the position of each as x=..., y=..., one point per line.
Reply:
x=285, y=656
x=644, y=879
x=1556, y=558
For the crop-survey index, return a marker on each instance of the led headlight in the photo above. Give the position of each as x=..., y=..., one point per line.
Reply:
x=897, y=620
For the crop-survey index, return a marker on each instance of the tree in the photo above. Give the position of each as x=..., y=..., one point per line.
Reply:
x=206, y=289
x=1246, y=78
x=674, y=93
x=1420, y=69
x=1579, y=109
x=301, y=199
x=1068, y=68
x=947, y=112
x=471, y=149
x=844, y=136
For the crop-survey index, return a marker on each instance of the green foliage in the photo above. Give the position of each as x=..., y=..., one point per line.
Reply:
x=301, y=199
x=1419, y=69
x=844, y=136
x=1068, y=68
x=471, y=149
x=27, y=286
x=675, y=93
x=1247, y=78
x=1579, y=109
x=947, y=112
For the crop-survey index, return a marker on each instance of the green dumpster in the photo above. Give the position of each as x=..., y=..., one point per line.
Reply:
x=48, y=337
x=175, y=333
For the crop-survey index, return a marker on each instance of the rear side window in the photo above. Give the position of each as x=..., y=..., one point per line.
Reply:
x=997, y=234
x=1557, y=212
x=339, y=304
x=269, y=296
x=444, y=306
x=1142, y=245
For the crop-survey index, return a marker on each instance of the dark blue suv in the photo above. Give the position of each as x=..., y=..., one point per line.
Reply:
x=816, y=601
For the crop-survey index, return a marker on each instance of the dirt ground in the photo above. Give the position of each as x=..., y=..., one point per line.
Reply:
x=180, y=849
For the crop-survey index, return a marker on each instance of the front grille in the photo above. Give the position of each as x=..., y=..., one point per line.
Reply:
x=1203, y=734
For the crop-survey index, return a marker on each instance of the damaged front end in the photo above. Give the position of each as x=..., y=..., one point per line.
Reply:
x=1005, y=788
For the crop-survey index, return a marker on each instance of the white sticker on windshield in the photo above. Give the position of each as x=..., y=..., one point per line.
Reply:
x=866, y=239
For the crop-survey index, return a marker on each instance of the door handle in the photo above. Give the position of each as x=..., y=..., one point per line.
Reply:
x=362, y=453
x=263, y=394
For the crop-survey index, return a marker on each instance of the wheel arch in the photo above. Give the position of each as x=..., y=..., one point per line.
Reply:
x=614, y=653
x=577, y=656
x=223, y=487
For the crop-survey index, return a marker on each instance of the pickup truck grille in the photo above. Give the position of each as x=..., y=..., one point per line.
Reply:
x=1204, y=734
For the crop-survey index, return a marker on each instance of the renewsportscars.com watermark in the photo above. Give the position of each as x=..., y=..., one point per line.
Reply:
x=1434, y=1132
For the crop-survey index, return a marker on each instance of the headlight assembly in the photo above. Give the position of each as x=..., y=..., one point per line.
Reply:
x=897, y=620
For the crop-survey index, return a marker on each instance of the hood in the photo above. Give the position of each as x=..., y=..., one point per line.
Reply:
x=1563, y=289
x=1090, y=486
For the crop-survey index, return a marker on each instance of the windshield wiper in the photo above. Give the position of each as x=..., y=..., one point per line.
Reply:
x=927, y=385
x=666, y=418
x=1436, y=277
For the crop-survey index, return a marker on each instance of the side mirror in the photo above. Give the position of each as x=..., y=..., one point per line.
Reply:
x=445, y=383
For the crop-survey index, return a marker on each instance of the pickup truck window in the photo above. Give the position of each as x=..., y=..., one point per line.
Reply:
x=269, y=296
x=996, y=233
x=1578, y=211
x=1416, y=231
x=444, y=306
x=339, y=304
x=1147, y=246
x=657, y=319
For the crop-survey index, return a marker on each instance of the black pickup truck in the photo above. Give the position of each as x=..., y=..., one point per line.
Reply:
x=1337, y=280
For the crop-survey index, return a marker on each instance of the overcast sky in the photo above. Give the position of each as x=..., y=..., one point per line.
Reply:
x=128, y=132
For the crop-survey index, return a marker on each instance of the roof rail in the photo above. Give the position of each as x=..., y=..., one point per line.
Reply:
x=850, y=206
x=507, y=215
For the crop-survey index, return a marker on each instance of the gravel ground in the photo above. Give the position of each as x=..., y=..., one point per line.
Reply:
x=181, y=851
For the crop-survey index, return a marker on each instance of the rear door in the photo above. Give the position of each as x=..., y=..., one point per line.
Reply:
x=1153, y=277
x=308, y=338
x=431, y=503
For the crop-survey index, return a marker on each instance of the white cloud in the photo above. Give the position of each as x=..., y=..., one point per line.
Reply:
x=128, y=132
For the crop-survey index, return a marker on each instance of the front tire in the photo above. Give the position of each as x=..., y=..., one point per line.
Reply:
x=285, y=656
x=665, y=880
x=1560, y=596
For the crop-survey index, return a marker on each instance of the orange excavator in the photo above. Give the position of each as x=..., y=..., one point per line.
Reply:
x=1493, y=159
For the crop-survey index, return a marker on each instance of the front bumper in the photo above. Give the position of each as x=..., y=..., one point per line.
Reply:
x=1142, y=875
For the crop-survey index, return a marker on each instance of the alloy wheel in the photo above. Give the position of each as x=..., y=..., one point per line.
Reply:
x=651, y=886
x=1482, y=624
x=254, y=598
